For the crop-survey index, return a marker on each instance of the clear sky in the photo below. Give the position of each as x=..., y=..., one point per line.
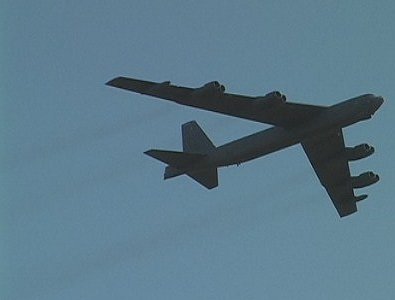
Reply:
x=85, y=215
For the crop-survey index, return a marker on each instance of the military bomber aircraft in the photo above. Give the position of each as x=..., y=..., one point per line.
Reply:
x=317, y=128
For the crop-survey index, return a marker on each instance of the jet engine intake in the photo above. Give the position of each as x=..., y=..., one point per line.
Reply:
x=211, y=88
x=363, y=180
x=359, y=152
x=270, y=99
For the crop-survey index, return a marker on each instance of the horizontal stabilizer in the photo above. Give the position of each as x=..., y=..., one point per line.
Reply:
x=171, y=172
x=174, y=158
x=207, y=177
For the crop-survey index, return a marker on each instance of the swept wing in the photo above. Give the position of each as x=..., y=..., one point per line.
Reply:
x=271, y=109
x=326, y=153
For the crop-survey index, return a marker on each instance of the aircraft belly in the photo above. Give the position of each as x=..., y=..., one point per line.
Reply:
x=253, y=146
x=269, y=140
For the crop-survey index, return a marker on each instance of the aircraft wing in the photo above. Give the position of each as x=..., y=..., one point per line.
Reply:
x=271, y=108
x=325, y=153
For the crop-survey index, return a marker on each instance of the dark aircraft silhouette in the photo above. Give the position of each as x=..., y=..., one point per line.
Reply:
x=317, y=128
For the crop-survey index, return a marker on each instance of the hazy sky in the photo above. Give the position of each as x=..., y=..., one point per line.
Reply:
x=85, y=215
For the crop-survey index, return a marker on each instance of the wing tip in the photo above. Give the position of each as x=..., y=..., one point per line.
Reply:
x=149, y=152
x=347, y=210
x=113, y=82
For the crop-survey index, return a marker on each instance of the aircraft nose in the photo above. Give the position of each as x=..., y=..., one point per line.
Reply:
x=379, y=101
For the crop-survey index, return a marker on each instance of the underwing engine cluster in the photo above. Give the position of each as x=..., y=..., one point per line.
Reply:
x=359, y=152
x=270, y=100
x=211, y=88
x=363, y=180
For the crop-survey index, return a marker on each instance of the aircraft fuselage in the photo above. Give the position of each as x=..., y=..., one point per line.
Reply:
x=276, y=138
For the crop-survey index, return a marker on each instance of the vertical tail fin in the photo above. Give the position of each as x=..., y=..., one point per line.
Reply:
x=194, y=139
x=196, y=146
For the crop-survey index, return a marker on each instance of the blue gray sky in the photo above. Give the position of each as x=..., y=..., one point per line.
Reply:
x=85, y=215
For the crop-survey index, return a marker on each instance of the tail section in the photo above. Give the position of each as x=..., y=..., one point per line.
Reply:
x=179, y=160
x=196, y=146
x=206, y=177
x=194, y=139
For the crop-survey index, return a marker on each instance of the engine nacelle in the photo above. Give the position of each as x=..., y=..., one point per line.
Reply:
x=359, y=152
x=211, y=88
x=360, y=197
x=270, y=99
x=365, y=179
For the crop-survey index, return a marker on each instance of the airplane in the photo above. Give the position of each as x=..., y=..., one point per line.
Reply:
x=317, y=128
